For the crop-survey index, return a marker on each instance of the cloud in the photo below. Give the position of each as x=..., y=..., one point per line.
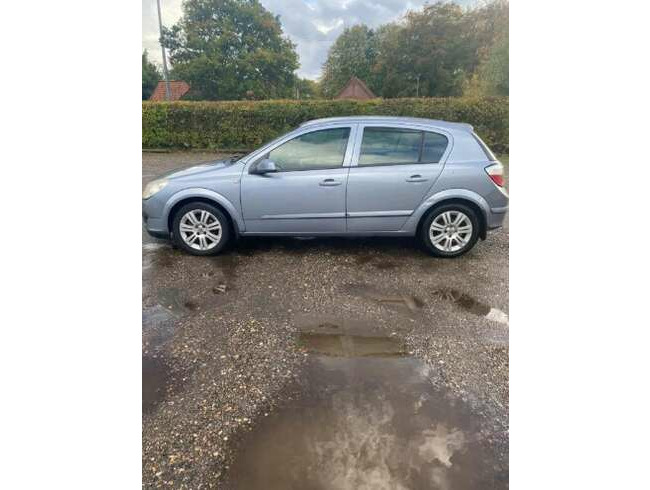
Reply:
x=313, y=25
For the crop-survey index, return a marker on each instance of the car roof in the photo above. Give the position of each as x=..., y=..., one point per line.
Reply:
x=390, y=120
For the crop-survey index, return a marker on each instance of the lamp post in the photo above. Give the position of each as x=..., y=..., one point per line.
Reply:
x=168, y=91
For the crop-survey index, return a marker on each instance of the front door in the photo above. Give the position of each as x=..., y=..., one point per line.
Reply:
x=307, y=193
x=394, y=170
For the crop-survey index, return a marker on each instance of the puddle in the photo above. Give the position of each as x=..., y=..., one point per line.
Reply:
x=366, y=417
x=467, y=303
x=342, y=345
x=157, y=255
x=157, y=327
x=153, y=246
x=156, y=381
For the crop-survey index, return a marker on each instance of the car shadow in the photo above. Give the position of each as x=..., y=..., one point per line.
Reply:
x=363, y=249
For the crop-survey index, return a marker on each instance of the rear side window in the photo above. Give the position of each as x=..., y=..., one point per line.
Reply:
x=383, y=146
x=393, y=146
x=433, y=147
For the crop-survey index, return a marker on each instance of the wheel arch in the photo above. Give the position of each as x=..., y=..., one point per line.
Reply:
x=214, y=200
x=480, y=213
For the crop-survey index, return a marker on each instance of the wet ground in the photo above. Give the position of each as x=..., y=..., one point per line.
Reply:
x=325, y=363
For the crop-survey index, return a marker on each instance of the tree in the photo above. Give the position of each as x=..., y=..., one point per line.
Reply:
x=353, y=53
x=308, y=89
x=494, y=72
x=150, y=76
x=441, y=50
x=489, y=29
x=427, y=53
x=231, y=49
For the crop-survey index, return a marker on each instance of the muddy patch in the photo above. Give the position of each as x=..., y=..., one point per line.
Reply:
x=377, y=261
x=471, y=305
x=176, y=301
x=386, y=265
x=405, y=301
x=363, y=259
x=227, y=265
x=367, y=417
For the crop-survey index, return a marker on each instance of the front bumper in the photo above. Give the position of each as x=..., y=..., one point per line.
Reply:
x=155, y=226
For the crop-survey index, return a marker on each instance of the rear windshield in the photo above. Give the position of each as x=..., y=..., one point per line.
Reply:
x=488, y=153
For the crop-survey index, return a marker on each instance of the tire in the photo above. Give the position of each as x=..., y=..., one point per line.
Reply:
x=200, y=222
x=455, y=232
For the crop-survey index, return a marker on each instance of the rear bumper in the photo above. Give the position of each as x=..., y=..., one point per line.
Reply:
x=496, y=216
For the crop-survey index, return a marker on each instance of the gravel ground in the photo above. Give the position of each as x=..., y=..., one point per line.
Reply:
x=219, y=348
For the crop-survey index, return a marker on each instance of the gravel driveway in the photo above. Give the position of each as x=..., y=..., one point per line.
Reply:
x=233, y=344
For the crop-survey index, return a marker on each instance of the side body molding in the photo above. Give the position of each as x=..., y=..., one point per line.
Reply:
x=234, y=212
x=412, y=223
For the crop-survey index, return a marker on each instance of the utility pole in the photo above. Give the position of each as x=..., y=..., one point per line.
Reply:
x=417, y=87
x=168, y=91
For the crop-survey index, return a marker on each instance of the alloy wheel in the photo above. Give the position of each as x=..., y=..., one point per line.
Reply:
x=450, y=231
x=200, y=229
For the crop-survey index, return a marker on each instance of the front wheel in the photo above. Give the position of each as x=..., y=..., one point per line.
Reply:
x=450, y=230
x=200, y=229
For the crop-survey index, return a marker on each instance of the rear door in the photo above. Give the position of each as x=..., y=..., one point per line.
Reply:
x=307, y=194
x=391, y=172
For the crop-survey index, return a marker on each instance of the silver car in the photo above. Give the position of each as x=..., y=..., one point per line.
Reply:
x=344, y=176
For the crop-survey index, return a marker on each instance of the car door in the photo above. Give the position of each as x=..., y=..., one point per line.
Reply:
x=307, y=193
x=391, y=172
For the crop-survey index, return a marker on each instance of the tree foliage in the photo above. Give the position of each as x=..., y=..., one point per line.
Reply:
x=231, y=49
x=441, y=50
x=150, y=76
x=493, y=73
x=353, y=54
x=308, y=89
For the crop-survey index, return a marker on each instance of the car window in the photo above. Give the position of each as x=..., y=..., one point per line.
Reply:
x=388, y=146
x=433, y=147
x=312, y=151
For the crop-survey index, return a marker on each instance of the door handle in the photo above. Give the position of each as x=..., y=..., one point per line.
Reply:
x=416, y=178
x=330, y=182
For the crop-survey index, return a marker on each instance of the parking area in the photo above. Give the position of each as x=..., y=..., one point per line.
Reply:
x=323, y=363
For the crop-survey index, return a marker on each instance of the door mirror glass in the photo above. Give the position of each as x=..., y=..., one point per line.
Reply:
x=266, y=166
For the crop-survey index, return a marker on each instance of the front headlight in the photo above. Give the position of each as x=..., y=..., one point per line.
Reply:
x=153, y=187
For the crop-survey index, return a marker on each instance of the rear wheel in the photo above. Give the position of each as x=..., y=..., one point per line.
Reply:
x=200, y=229
x=450, y=230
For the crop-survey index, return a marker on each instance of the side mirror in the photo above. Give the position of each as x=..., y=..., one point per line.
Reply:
x=265, y=166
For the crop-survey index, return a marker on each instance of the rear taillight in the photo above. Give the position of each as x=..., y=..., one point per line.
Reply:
x=496, y=174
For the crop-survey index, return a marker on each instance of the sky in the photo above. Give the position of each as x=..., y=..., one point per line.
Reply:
x=313, y=25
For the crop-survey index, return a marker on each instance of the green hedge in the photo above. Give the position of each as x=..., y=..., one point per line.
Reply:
x=248, y=124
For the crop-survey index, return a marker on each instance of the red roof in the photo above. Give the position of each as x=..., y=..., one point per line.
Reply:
x=355, y=89
x=178, y=88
